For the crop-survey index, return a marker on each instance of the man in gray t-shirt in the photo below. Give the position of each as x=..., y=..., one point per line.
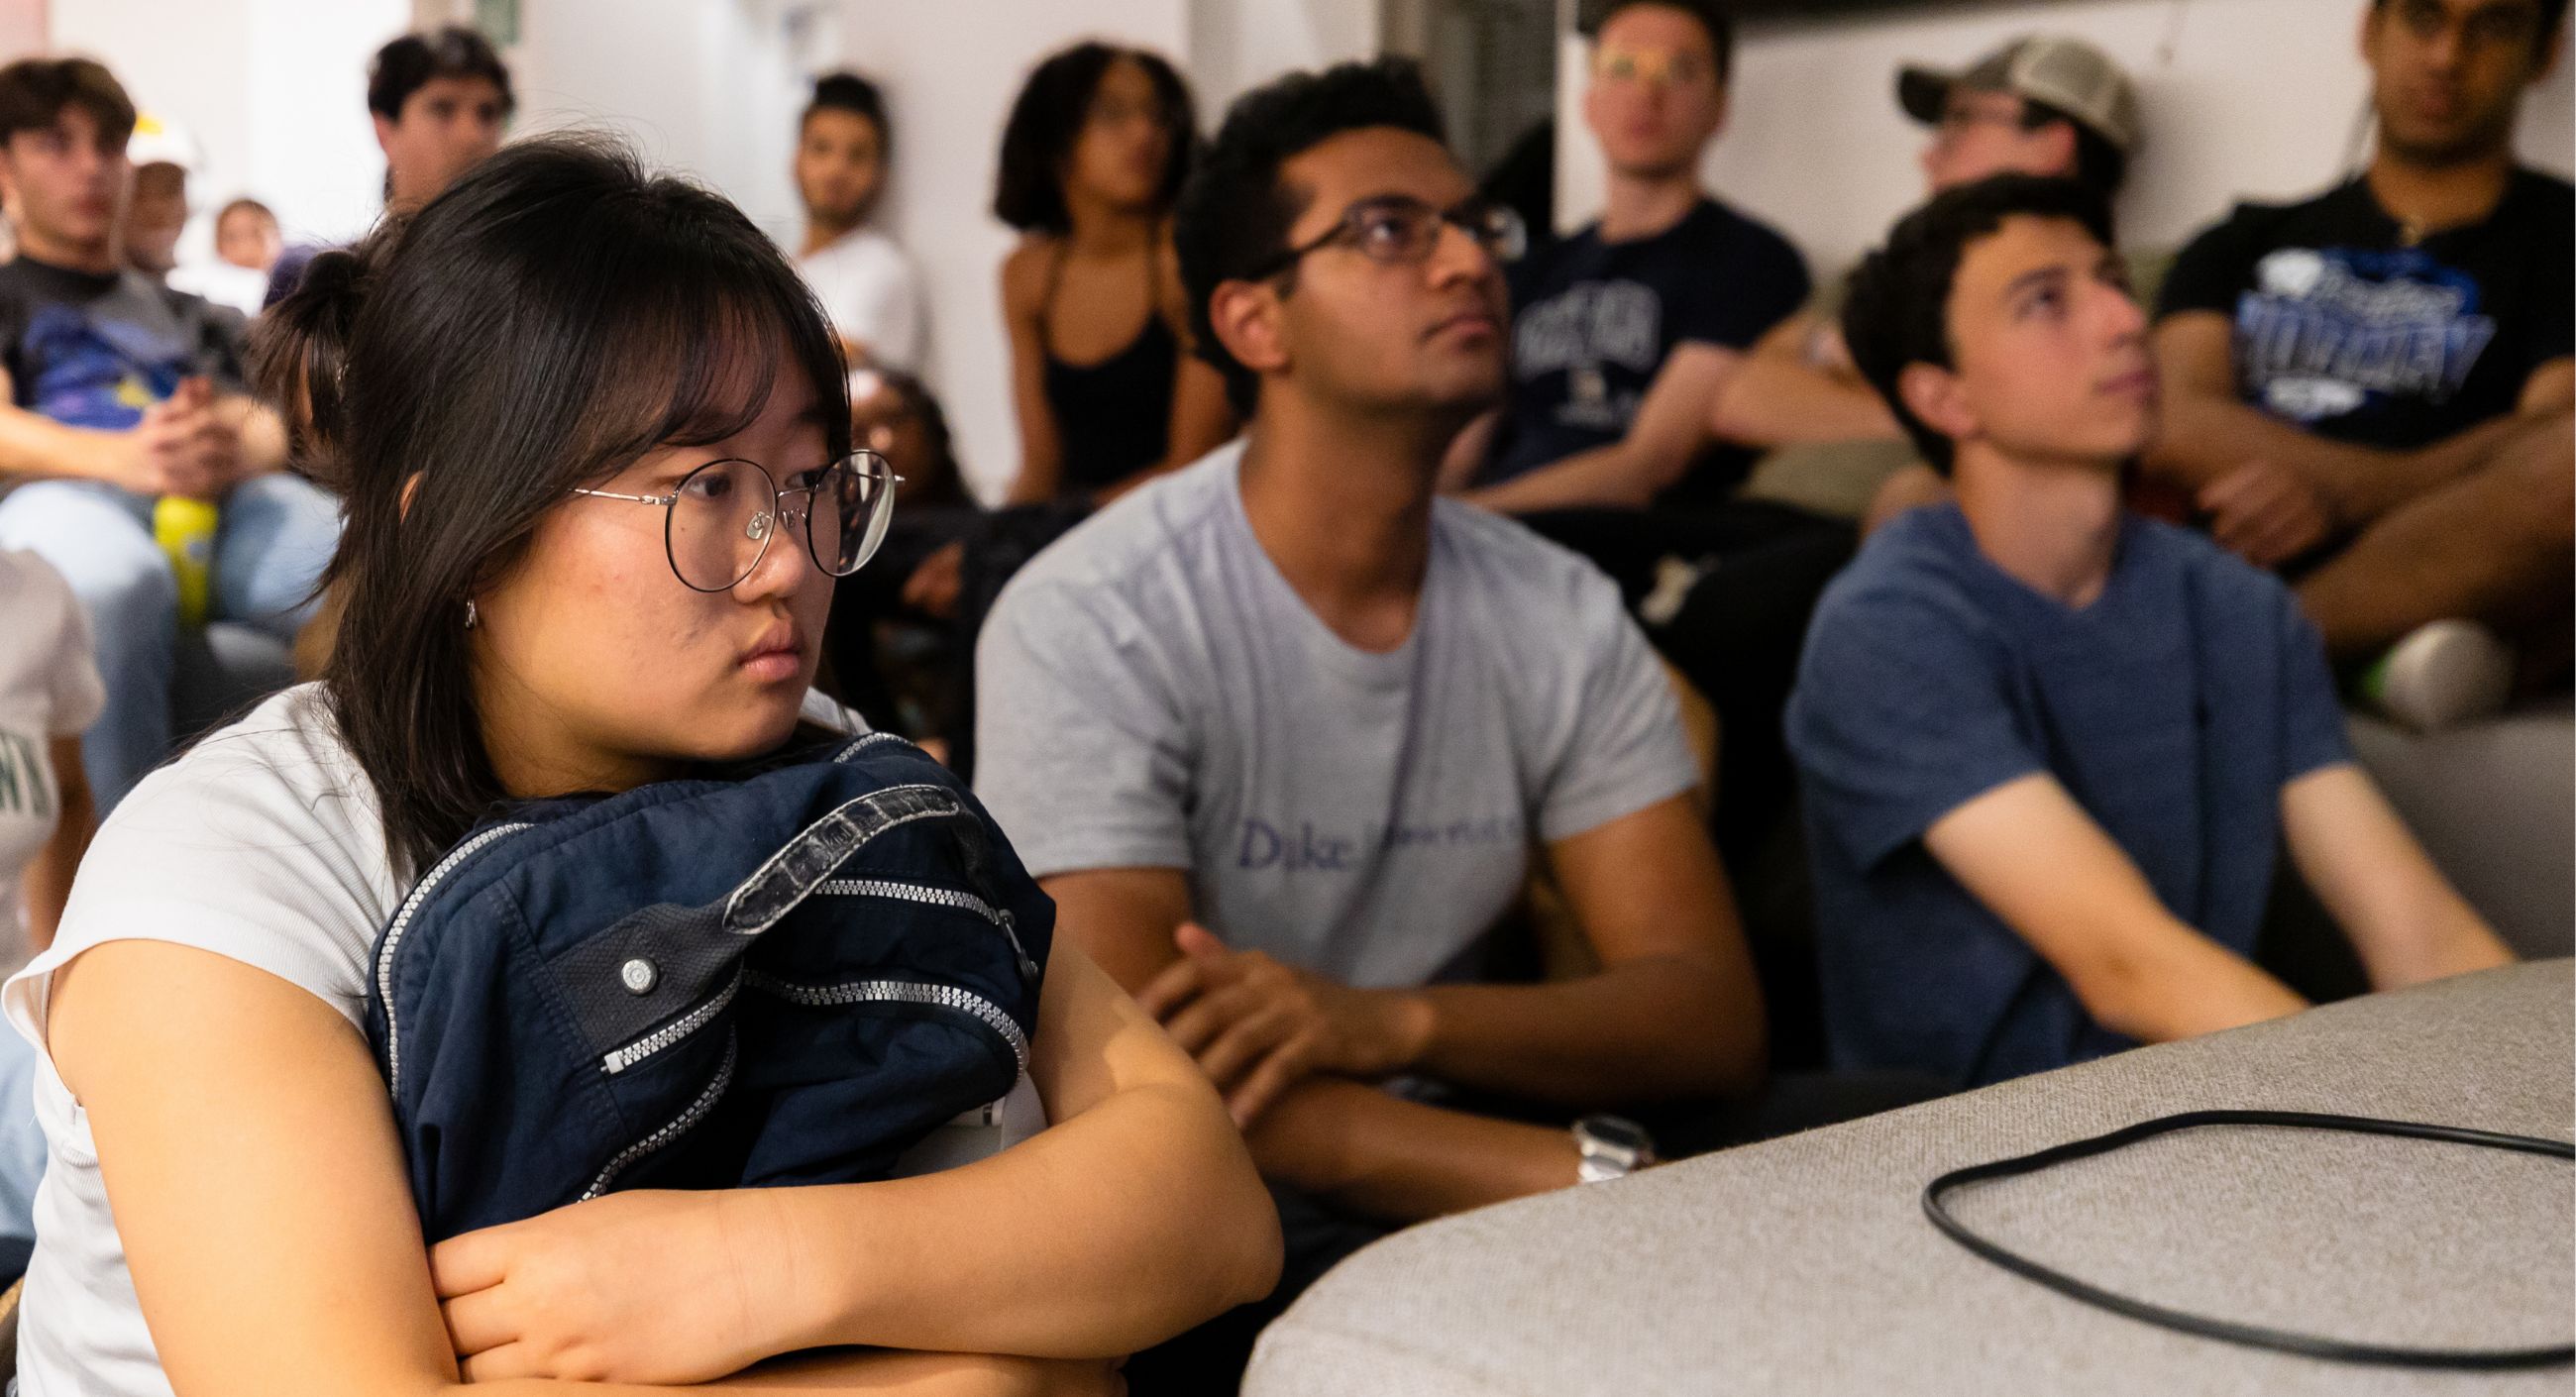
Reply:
x=1281, y=733
x=1157, y=695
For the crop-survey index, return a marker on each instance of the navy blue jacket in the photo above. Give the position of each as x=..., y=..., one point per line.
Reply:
x=785, y=978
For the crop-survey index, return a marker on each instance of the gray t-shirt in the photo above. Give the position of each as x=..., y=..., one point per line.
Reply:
x=1154, y=694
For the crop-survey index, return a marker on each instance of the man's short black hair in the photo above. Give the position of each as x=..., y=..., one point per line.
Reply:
x=1898, y=309
x=2552, y=14
x=414, y=61
x=1711, y=14
x=1234, y=214
x=1048, y=116
x=34, y=92
x=848, y=92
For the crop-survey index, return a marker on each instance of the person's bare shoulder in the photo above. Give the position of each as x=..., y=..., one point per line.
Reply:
x=1024, y=271
x=1171, y=295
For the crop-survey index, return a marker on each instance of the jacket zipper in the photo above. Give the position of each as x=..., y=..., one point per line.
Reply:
x=948, y=997
x=679, y=1126
x=402, y=922
x=863, y=743
x=673, y=1031
x=940, y=897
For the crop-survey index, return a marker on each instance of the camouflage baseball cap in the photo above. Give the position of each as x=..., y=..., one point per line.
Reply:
x=2066, y=73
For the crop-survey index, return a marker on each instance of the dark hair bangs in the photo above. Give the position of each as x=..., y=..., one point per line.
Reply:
x=703, y=362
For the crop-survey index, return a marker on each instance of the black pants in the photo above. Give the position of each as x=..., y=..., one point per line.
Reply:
x=1211, y=1358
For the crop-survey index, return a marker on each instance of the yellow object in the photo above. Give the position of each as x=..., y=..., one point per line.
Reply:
x=185, y=529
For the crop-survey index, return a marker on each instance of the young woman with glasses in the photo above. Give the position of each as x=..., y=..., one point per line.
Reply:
x=594, y=444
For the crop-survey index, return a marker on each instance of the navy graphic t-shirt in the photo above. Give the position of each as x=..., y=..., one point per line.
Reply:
x=94, y=351
x=1593, y=321
x=2345, y=330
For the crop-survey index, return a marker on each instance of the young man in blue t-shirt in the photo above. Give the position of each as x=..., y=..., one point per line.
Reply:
x=2049, y=748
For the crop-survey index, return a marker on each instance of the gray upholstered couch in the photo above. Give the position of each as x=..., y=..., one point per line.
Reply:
x=2495, y=804
x=1805, y=1265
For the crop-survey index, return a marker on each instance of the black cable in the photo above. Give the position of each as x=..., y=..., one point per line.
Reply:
x=2255, y=1335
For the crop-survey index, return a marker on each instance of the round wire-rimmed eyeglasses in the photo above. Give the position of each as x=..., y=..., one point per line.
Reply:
x=718, y=521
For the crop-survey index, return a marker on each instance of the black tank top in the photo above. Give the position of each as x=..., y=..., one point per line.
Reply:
x=1112, y=418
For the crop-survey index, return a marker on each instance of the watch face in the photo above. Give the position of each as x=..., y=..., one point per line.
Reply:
x=1617, y=1133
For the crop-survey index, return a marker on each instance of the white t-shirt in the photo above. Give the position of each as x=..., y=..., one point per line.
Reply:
x=222, y=283
x=49, y=688
x=868, y=288
x=264, y=844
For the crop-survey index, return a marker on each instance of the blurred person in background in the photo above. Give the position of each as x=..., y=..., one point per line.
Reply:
x=868, y=288
x=2046, y=104
x=2370, y=391
x=122, y=396
x=247, y=246
x=246, y=236
x=441, y=101
x=1093, y=157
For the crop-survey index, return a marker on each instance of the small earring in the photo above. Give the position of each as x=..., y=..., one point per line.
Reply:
x=470, y=617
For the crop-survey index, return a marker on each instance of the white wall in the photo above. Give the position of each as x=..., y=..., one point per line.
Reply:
x=1237, y=45
x=2240, y=98
x=274, y=92
x=708, y=87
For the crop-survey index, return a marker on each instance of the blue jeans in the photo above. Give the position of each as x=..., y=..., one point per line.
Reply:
x=275, y=535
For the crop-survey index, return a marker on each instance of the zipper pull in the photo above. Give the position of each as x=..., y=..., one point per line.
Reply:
x=1011, y=929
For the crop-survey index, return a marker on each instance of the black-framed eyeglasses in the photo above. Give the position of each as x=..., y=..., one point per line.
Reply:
x=1397, y=229
x=718, y=521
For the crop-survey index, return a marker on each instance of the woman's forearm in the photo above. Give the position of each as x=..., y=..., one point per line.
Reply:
x=890, y=1373
x=988, y=1258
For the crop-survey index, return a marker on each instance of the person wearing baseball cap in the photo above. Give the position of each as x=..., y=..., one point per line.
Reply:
x=2043, y=104
x=163, y=155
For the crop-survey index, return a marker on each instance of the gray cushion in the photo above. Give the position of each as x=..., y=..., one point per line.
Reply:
x=1805, y=1265
x=2495, y=804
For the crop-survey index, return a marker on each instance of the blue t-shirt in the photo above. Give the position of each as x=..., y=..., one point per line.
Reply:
x=2173, y=709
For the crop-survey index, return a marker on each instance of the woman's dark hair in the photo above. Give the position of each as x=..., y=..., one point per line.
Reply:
x=848, y=92
x=1048, y=118
x=555, y=314
x=414, y=61
x=1234, y=218
x=1898, y=309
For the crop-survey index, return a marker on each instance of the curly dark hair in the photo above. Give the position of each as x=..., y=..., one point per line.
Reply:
x=1898, y=310
x=1234, y=217
x=1048, y=118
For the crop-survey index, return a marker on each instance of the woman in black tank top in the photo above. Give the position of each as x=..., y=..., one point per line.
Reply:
x=1092, y=158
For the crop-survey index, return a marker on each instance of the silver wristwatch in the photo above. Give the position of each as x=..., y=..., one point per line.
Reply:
x=1612, y=1147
